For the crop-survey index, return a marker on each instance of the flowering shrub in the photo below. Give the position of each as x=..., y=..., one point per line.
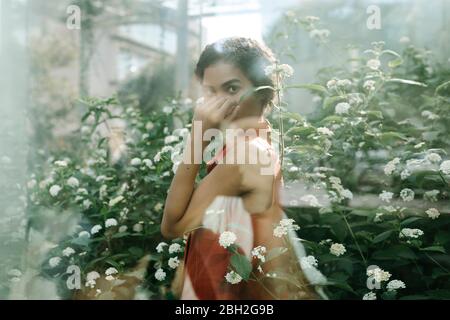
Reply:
x=373, y=158
x=379, y=130
x=120, y=197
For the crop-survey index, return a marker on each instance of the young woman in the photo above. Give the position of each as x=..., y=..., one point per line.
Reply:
x=236, y=196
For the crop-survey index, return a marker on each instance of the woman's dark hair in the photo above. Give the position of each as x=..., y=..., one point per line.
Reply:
x=250, y=56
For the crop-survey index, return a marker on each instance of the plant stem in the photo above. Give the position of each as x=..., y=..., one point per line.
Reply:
x=354, y=239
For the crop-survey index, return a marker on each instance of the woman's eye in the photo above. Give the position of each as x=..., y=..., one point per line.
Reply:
x=233, y=89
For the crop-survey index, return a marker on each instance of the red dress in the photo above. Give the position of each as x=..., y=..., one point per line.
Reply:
x=206, y=262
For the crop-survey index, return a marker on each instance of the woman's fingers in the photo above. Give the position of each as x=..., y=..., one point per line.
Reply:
x=227, y=108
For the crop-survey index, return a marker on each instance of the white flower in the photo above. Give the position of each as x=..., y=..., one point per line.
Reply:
x=84, y=234
x=410, y=233
x=342, y=108
x=60, y=163
x=429, y=115
x=370, y=296
x=395, y=285
x=386, y=196
x=390, y=166
x=347, y=194
x=110, y=271
x=431, y=195
x=93, y=275
x=115, y=201
x=378, y=216
x=433, y=157
x=138, y=227
x=82, y=191
x=160, y=247
x=149, y=125
x=311, y=19
x=170, y=139
x=31, y=184
x=294, y=169
x=111, y=222
x=233, y=278
x=259, y=252
x=174, y=247
x=157, y=157
x=53, y=262
x=284, y=70
x=173, y=262
x=95, y=229
x=325, y=131
x=167, y=109
x=135, y=162
x=445, y=167
x=378, y=274
x=310, y=200
x=227, y=238
x=284, y=226
x=405, y=174
x=308, y=262
x=344, y=83
x=280, y=231
x=54, y=190
x=407, y=194
x=67, y=252
x=374, y=64
x=331, y=84
x=433, y=213
x=123, y=229
x=369, y=85
x=319, y=34
x=160, y=275
x=73, y=182
x=337, y=249
x=404, y=40
x=148, y=163
x=158, y=206
x=87, y=203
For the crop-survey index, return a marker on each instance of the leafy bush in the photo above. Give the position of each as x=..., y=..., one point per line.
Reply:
x=372, y=162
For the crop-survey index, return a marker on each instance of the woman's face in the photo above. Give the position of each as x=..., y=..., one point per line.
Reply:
x=224, y=79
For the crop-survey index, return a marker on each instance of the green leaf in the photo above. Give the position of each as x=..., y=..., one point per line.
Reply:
x=389, y=295
x=330, y=102
x=375, y=114
x=391, y=136
x=340, y=230
x=404, y=81
x=438, y=90
x=136, y=251
x=81, y=241
x=383, y=236
x=409, y=220
x=434, y=249
x=394, y=252
x=241, y=265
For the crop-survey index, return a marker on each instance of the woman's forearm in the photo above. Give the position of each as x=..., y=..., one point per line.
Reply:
x=183, y=185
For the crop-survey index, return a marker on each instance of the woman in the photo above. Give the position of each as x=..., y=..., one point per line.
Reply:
x=236, y=196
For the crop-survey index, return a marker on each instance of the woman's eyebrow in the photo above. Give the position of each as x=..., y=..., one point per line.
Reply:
x=227, y=83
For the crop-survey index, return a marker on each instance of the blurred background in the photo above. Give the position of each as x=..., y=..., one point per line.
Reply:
x=146, y=50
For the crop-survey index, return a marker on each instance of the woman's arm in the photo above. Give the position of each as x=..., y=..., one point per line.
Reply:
x=186, y=204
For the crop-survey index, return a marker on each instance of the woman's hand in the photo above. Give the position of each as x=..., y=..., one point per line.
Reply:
x=213, y=111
